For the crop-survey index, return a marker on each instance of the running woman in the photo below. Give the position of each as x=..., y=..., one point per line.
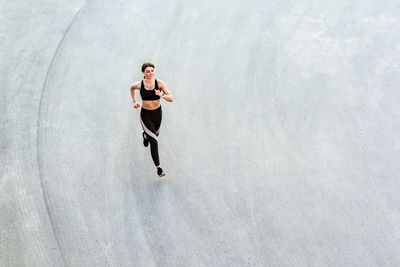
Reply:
x=151, y=91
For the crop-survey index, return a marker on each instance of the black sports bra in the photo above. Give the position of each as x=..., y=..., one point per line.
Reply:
x=149, y=94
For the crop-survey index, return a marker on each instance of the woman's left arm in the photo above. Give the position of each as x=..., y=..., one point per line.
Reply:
x=167, y=94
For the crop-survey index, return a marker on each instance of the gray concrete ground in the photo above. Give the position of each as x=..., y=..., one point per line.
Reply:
x=281, y=148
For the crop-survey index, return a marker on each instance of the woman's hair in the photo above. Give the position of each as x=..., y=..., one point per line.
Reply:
x=147, y=64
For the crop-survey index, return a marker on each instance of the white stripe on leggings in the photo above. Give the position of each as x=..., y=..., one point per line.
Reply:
x=147, y=131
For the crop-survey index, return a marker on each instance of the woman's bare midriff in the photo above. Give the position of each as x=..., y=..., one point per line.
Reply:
x=151, y=104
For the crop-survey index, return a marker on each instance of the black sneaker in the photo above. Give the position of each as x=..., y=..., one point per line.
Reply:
x=160, y=172
x=145, y=140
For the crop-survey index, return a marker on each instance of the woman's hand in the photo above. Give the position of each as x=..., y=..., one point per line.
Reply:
x=159, y=93
x=136, y=105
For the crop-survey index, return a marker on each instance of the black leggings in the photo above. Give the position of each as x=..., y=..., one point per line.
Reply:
x=151, y=122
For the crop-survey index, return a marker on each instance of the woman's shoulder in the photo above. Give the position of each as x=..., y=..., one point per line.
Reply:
x=160, y=82
x=136, y=85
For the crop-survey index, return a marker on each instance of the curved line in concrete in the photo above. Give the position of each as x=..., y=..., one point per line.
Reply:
x=38, y=157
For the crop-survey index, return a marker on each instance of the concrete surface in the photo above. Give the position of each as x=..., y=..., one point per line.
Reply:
x=281, y=148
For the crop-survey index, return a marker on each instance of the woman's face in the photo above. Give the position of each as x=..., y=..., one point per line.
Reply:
x=148, y=72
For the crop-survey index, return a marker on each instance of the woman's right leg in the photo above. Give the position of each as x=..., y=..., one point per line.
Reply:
x=150, y=130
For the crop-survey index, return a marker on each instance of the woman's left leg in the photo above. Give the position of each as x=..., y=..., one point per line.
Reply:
x=157, y=123
x=157, y=120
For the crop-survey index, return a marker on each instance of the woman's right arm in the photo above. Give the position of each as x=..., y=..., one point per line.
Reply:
x=133, y=87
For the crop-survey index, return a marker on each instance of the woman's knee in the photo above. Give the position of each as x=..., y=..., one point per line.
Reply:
x=153, y=141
